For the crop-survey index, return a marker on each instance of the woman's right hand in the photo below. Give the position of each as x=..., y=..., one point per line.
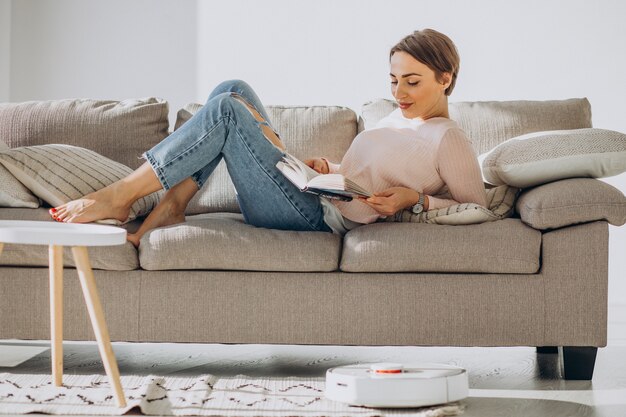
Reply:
x=319, y=165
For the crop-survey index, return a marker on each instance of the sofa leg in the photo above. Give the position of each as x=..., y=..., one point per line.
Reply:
x=578, y=362
x=547, y=349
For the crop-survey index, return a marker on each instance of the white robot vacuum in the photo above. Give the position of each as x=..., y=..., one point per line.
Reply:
x=394, y=385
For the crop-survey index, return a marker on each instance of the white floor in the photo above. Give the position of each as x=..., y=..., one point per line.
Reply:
x=508, y=382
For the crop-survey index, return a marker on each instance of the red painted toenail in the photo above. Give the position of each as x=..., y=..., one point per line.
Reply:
x=53, y=210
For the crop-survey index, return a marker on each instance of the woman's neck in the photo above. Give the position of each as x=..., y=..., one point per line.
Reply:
x=439, y=110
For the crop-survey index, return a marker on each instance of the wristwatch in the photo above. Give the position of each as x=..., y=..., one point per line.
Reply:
x=419, y=207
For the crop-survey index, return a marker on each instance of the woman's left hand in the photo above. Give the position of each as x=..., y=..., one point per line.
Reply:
x=391, y=200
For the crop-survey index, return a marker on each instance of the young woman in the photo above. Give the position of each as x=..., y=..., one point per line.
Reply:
x=411, y=155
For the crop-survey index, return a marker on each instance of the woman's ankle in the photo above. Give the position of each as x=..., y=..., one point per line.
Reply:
x=139, y=183
x=123, y=196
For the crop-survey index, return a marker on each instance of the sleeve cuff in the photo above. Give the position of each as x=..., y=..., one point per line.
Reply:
x=332, y=168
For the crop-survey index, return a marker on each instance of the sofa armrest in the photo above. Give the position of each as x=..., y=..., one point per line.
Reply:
x=571, y=201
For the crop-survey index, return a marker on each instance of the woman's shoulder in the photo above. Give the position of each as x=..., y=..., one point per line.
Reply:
x=441, y=127
x=445, y=122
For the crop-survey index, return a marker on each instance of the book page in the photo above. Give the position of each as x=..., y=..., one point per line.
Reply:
x=327, y=185
x=338, y=182
x=291, y=174
x=306, y=171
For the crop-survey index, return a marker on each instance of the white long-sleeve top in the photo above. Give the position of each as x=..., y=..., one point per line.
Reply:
x=433, y=157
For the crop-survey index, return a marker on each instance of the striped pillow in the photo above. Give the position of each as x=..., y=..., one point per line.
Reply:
x=61, y=173
x=12, y=192
x=500, y=205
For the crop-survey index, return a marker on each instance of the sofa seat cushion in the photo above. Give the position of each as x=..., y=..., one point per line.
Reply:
x=503, y=246
x=112, y=258
x=223, y=241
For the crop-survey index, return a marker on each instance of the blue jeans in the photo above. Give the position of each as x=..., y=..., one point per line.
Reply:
x=225, y=128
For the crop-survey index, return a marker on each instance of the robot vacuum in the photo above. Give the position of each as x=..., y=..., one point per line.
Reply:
x=394, y=385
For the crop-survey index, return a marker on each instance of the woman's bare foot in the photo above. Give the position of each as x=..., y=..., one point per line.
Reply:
x=107, y=203
x=111, y=202
x=167, y=212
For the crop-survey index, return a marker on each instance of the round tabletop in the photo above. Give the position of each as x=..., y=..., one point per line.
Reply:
x=61, y=234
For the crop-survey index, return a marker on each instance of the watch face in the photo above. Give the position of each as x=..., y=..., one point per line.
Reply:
x=417, y=209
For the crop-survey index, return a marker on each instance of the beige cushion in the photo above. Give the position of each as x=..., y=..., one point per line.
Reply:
x=489, y=123
x=500, y=203
x=307, y=131
x=505, y=246
x=224, y=241
x=114, y=258
x=61, y=173
x=541, y=157
x=571, y=201
x=12, y=192
x=120, y=130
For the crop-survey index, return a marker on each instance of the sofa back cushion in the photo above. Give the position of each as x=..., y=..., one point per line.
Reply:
x=307, y=131
x=489, y=123
x=120, y=130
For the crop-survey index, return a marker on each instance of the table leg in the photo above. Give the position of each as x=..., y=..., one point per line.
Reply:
x=55, y=255
x=90, y=292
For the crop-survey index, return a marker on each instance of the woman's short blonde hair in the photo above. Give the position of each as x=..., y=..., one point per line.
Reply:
x=433, y=49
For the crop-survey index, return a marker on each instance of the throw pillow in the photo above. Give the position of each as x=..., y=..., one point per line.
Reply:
x=12, y=192
x=542, y=157
x=61, y=173
x=500, y=204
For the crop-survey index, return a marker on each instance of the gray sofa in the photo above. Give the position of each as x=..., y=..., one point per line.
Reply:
x=536, y=279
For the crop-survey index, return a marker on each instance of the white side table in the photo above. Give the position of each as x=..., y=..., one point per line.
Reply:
x=78, y=236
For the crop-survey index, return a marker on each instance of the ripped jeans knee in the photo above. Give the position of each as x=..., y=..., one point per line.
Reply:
x=270, y=134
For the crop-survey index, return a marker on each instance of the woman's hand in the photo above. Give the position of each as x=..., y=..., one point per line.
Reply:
x=392, y=200
x=318, y=164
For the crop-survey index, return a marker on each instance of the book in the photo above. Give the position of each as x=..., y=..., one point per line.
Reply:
x=308, y=180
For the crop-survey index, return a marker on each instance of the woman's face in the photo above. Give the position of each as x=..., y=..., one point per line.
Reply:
x=416, y=89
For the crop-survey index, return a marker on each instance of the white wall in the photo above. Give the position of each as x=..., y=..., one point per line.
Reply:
x=5, y=48
x=336, y=52
x=318, y=52
x=112, y=49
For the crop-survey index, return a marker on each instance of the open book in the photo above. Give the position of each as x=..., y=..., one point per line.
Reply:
x=327, y=185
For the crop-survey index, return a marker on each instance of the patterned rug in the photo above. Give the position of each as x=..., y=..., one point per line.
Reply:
x=206, y=395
